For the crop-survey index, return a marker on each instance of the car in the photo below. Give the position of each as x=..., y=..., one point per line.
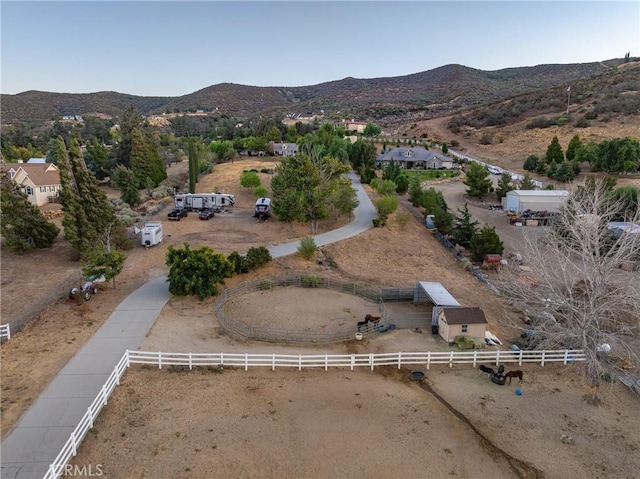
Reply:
x=495, y=170
x=177, y=214
x=206, y=214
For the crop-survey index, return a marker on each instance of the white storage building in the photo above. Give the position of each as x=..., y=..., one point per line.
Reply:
x=535, y=200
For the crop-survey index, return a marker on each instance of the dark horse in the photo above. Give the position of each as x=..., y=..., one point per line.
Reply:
x=485, y=369
x=368, y=319
x=514, y=374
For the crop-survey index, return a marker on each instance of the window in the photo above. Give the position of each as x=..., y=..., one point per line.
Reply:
x=465, y=328
x=28, y=190
x=43, y=189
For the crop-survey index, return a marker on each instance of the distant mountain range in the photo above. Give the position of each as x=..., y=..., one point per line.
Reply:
x=438, y=91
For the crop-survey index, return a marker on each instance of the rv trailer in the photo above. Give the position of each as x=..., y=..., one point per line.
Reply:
x=151, y=234
x=263, y=209
x=204, y=201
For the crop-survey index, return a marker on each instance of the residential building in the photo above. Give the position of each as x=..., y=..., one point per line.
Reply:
x=283, y=149
x=415, y=158
x=39, y=181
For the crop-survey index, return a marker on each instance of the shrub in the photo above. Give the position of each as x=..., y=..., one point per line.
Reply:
x=266, y=284
x=261, y=192
x=268, y=171
x=239, y=263
x=311, y=281
x=258, y=257
x=307, y=248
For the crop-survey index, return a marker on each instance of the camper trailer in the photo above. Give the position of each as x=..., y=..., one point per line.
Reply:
x=263, y=209
x=204, y=201
x=151, y=234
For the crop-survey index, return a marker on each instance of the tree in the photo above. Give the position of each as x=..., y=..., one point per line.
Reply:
x=345, y=198
x=22, y=225
x=131, y=119
x=504, y=186
x=371, y=130
x=125, y=180
x=575, y=263
x=415, y=191
x=104, y=262
x=250, y=179
x=385, y=206
x=362, y=154
x=402, y=184
x=565, y=172
x=464, y=230
x=445, y=149
x=145, y=160
x=486, y=242
x=527, y=183
x=196, y=272
x=554, y=152
x=531, y=163
x=193, y=166
x=477, y=180
x=261, y=191
x=573, y=147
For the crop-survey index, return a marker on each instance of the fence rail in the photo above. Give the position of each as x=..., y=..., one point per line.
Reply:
x=5, y=331
x=299, y=361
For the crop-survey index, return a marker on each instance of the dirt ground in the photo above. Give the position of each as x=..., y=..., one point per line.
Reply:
x=334, y=425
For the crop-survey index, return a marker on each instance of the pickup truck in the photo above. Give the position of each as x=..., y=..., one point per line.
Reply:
x=177, y=214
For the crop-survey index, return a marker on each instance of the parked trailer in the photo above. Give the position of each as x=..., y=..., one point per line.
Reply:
x=151, y=234
x=263, y=209
x=204, y=201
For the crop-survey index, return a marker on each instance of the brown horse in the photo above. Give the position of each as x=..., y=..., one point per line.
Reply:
x=514, y=374
x=373, y=319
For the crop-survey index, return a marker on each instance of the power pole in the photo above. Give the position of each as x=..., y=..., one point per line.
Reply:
x=568, y=97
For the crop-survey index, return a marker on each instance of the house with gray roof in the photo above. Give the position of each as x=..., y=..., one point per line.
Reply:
x=415, y=158
x=284, y=149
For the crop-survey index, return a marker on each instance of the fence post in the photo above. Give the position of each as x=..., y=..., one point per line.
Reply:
x=326, y=362
x=475, y=356
x=451, y=360
x=566, y=354
x=399, y=359
x=353, y=360
x=273, y=362
x=221, y=359
x=90, y=417
x=104, y=396
x=73, y=443
x=8, y=331
x=299, y=362
x=371, y=360
x=520, y=358
x=542, y=361
x=190, y=362
x=128, y=359
x=159, y=360
x=428, y=359
x=497, y=357
x=246, y=361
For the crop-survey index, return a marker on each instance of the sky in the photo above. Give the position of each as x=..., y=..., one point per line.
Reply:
x=173, y=48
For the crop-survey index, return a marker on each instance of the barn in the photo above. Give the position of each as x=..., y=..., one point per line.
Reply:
x=534, y=200
x=454, y=322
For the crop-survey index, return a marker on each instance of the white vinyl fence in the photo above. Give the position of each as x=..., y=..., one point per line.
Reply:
x=5, y=331
x=299, y=361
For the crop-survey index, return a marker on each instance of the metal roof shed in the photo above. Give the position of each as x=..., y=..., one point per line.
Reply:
x=437, y=294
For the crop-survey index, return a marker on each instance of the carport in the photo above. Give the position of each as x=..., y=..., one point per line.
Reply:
x=435, y=293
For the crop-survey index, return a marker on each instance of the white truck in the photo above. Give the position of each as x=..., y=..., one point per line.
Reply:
x=204, y=201
x=151, y=234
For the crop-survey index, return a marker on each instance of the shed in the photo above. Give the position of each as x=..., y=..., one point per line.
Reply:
x=535, y=200
x=435, y=293
x=454, y=322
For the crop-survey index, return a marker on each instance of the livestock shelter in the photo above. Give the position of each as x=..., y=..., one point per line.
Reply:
x=435, y=293
x=454, y=322
x=534, y=200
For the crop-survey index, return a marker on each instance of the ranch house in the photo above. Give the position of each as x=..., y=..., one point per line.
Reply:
x=39, y=181
x=283, y=149
x=415, y=158
x=454, y=322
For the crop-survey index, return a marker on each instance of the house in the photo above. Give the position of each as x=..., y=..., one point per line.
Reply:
x=352, y=125
x=283, y=149
x=454, y=322
x=535, y=200
x=40, y=181
x=415, y=158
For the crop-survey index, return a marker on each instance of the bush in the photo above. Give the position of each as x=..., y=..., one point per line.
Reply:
x=265, y=284
x=268, y=171
x=311, y=281
x=261, y=192
x=258, y=257
x=307, y=248
x=239, y=263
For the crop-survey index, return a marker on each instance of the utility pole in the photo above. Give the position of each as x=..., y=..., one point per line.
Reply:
x=568, y=97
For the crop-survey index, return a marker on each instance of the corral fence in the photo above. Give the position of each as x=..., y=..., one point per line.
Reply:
x=290, y=336
x=5, y=332
x=298, y=361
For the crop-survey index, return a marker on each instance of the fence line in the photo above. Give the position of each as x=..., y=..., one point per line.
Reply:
x=5, y=331
x=299, y=361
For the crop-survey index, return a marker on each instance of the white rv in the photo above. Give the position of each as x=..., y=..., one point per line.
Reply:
x=151, y=234
x=204, y=201
x=263, y=209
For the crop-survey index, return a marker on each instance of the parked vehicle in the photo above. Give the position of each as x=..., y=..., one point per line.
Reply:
x=206, y=214
x=151, y=234
x=87, y=289
x=177, y=214
x=263, y=209
x=204, y=201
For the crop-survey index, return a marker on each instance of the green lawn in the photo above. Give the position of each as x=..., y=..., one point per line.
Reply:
x=426, y=175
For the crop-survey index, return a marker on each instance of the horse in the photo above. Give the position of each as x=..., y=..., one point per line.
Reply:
x=373, y=319
x=514, y=374
x=486, y=369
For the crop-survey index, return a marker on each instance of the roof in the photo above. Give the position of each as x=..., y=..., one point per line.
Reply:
x=437, y=293
x=538, y=193
x=41, y=173
x=404, y=154
x=464, y=316
x=37, y=160
x=626, y=226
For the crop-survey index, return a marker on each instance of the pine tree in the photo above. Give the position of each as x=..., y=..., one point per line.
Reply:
x=554, y=152
x=193, y=166
x=574, y=145
x=477, y=180
x=464, y=230
x=131, y=119
x=504, y=186
x=527, y=183
x=486, y=242
x=23, y=226
x=565, y=172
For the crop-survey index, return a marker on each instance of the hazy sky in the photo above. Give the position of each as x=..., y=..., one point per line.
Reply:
x=171, y=48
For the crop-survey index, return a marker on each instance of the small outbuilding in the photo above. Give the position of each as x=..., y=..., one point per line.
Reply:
x=454, y=322
x=534, y=200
